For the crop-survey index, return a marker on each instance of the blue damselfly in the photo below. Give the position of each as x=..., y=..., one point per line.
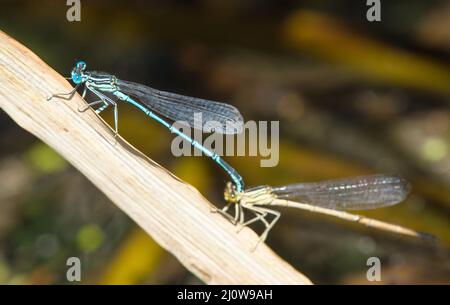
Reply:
x=218, y=117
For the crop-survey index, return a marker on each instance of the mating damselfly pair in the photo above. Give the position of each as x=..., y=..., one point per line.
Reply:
x=326, y=197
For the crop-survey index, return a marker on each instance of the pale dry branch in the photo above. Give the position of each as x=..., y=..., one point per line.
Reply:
x=175, y=214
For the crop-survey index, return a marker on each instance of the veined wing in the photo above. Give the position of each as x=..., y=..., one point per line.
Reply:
x=215, y=116
x=355, y=193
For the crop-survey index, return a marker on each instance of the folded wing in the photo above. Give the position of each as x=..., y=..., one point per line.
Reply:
x=215, y=116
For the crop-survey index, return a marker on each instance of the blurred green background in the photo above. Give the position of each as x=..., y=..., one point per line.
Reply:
x=352, y=98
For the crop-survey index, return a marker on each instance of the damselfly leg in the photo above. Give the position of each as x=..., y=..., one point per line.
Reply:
x=65, y=96
x=224, y=211
x=105, y=104
x=261, y=215
x=108, y=102
x=225, y=214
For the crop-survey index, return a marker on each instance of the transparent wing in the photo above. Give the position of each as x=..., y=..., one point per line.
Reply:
x=215, y=116
x=355, y=193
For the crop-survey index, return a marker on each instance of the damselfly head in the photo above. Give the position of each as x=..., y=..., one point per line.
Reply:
x=78, y=72
x=230, y=194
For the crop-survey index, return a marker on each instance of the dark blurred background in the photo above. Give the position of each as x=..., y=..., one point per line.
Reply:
x=352, y=97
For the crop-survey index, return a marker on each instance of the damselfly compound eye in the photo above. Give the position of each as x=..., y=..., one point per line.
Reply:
x=80, y=65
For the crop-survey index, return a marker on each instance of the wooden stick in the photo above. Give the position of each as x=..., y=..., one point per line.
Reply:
x=175, y=214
